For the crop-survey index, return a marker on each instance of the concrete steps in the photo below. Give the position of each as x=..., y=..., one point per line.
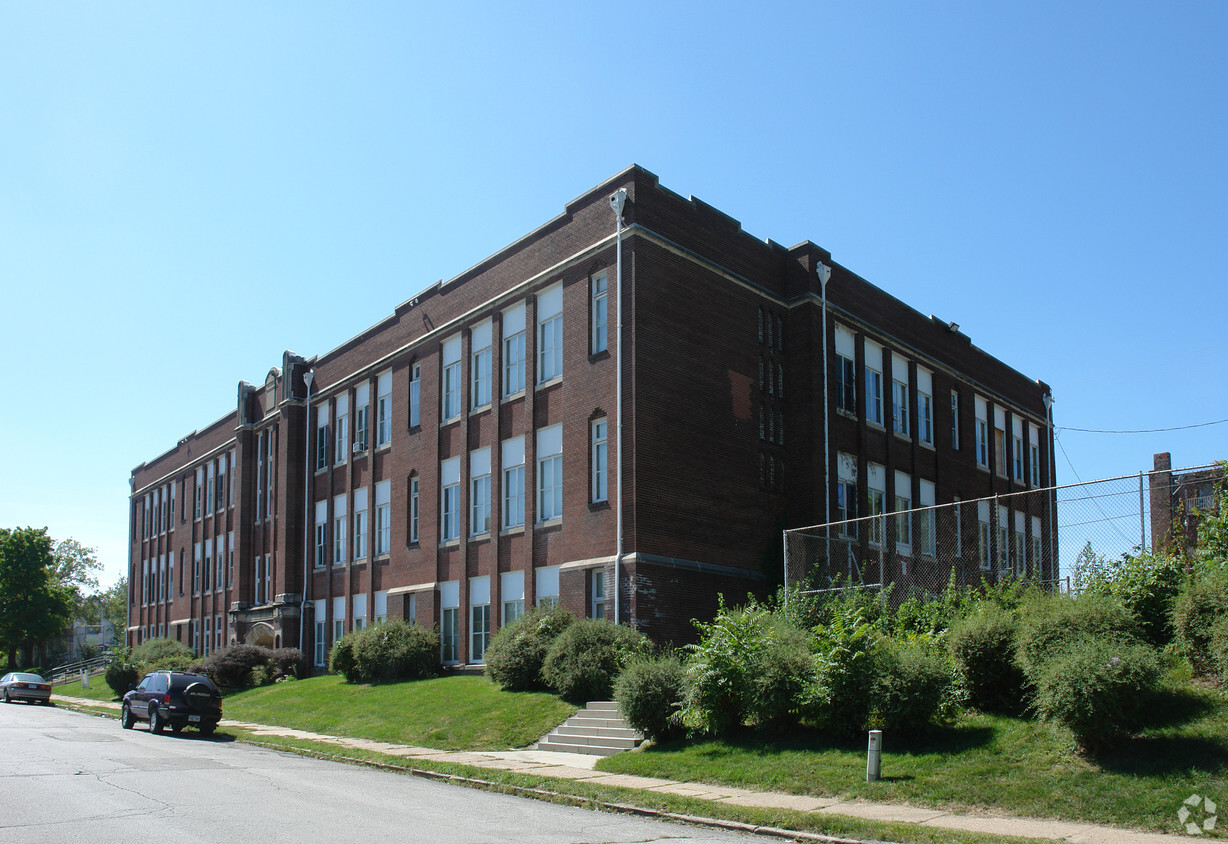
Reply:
x=596, y=730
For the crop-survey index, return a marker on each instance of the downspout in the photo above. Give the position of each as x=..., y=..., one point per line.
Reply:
x=824, y=277
x=617, y=201
x=308, y=377
x=1053, y=561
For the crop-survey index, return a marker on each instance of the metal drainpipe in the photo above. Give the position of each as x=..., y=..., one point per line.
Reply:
x=308, y=378
x=1053, y=561
x=824, y=276
x=617, y=201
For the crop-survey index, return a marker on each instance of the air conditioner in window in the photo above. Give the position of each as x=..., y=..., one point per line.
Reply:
x=359, y=447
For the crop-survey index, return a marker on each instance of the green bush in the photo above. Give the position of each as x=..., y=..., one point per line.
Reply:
x=842, y=693
x=173, y=662
x=233, y=667
x=720, y=670
x=153, y=650
x=518, y=650
x=395, y=650
x=121, y=675
x=1097, y=687
x=982, y=646
x=1219, y=649
x=914, y=685
x=1049, y=622
x=784, y=671
x=650, y=695
x=342, y=658
x=587, y=657
x=1146, y=585
x=1198, y=608
x=288, y=663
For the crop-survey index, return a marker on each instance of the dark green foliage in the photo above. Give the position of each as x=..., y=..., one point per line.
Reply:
x=780, y=678
x=650, y=695
x=1048, y=623
x=1218, y=650
x=914, y=685
x=288, y=663
x=927, y=614
x=173, y=662
x=721, y=668
x=233, y=667
x=982, y=646
x=386, y=652
x=34, y=605
x=842, y=694
x=1146, y=585
x=1200, y=606
x=586, y=658
x=121, y=675
x=153, y=650
x=518, y=650
x=1097, y=687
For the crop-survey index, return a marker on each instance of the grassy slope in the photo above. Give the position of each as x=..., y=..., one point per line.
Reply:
x=1020, y=766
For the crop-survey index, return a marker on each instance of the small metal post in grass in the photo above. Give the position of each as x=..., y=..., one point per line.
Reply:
x=874, y=756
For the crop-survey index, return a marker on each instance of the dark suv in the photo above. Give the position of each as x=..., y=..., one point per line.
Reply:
x=175, y=698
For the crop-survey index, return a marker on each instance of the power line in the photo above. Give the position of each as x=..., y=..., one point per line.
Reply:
x=1143, y=430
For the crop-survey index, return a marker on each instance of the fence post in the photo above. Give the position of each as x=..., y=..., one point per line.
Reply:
x=1142, y=517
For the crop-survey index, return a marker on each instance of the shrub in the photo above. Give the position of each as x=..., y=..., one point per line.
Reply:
x=982, y=646
x=781, y=676
x=341, y=658
x=841, y=694
x=650, y=695
x=1050, y=622
x=121, y=675
x=1199, y=606
x=395, y=650
x=288, y=662
x=1219, y=649
x=152, y=650
x=1146, y=585
x=914, y=685
x=232, y=668
x=174, y=662
x=1097, y=688
x=518, y=650
x=720, y=670
x=588, y=656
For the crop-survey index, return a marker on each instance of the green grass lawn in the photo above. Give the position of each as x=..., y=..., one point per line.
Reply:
x=1020, y=766
x=98, y=690
x=449, y=713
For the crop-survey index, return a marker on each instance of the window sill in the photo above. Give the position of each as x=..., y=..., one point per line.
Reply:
x=603, y=354
x=557, y=521
x=519, y=394
x=846, y=414
x=383, y=447
x=479, y=537
x=603, y=504
x=478, y=411
x=512, y=531
x=380, y=558
x=878, y=426
x=547, y=384
x=450, y=543
x=902, y=435
x=925, y=445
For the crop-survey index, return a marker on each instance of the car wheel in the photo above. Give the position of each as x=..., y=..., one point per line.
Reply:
x=7, y=699
x=207, y=729
x=176, y=728
x=155, y=720
x=47, y=702
x=125, y=717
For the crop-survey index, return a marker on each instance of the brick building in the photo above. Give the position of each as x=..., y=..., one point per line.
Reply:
x=1177, y=500
x=459, y=461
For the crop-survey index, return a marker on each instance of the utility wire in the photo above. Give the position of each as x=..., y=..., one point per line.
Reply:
x=1142, y=431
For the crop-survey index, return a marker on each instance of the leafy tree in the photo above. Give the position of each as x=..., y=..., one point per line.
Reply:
x=34, y=605
x=108, y=605
x=72, y=568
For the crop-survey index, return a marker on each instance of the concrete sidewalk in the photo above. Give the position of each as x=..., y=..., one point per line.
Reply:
x=575, y=766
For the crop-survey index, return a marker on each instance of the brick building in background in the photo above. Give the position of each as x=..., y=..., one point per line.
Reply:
x=459, y=462
x=1178, y=499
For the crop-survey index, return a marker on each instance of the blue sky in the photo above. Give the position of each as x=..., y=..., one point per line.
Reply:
x=186, y=190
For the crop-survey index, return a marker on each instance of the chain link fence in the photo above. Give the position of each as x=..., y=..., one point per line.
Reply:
x=1036, y=535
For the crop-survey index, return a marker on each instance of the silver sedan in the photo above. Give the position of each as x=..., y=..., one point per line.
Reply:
x=21, y=686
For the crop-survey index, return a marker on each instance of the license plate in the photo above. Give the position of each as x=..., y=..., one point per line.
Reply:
x=193, y=719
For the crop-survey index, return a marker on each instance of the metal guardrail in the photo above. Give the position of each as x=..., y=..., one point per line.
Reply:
x=72, y=670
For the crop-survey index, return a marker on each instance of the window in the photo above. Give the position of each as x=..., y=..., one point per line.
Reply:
x=449, y=627
x=338, y=617
x=362, y=400
x=208, y=638
x=1036, y=562
x=479, y=491
x=414, y=510
x=211, y=485
x=231, y=499
x=449, y=499
x=1004, y=540
x=320, y=645
x=341, y=443
x=955, y=420
x=360, y=524
x=903, y=519
x=512, y=461
x=600, y=483
x=959, y=528
x=982, y=432
x=258, y=580
x=899, y=396
x=874, y=383
x=322, y=436
x=195, y=642
x=876, y=494
x=230, y=559
x=982, y=534
x=1034, y=455
x=218, y=568
x=199, y=491
x=547, y=580
x=597, y=579
x=513, y=350
x=479, y=364
x=196, y=570
x=360, y=612
x=383, y=518
x=846, y=385
x=925, y=406
x=600, y=314
x=550, y=473
x=339, y=520
x=415, y=395
x=479, y=617
x=511, y=594
x=220, y=489
x=1021, y=546
x=169, y=589
x=321, y=533
x=1017, y=455
x=383, y=409
x=999, y=440
x=927, y=521
x=550, y=333
x=381, y=606
x=846, y=494
x=450, y=358
x=218, y=632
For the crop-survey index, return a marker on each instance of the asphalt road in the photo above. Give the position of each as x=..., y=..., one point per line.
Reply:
x=66, y=776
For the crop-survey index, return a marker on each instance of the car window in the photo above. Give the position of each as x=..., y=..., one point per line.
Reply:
x=143, y=686
x=5, y=678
